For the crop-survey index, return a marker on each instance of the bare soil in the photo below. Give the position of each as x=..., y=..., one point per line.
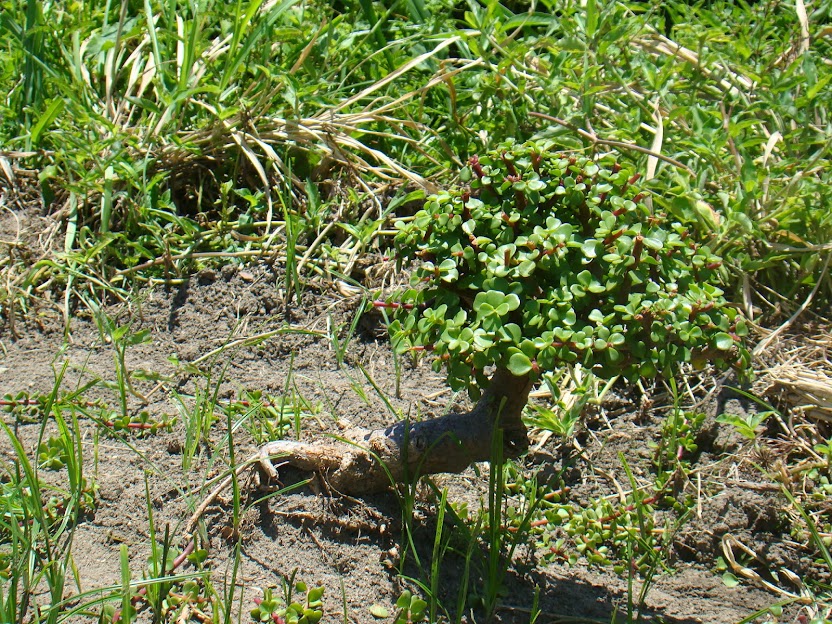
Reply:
x=355, y=544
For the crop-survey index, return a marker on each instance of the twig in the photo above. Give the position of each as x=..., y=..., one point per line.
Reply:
x=194, y=519
x=193, y=256
x=591, y=136
x=256, y=339
x=803, y=18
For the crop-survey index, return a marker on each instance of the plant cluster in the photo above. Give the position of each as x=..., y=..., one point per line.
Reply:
x=410, y=609
x=603, y=532
x=53, y=453
x=678, y=439
x=273, y=417
x=36, y=523
x=309, y=610
x=143, y=204
x=547, y=258
x=166, y=594
x=142, y=135
x=676, y=450
x=24, y=406
x=142, y=424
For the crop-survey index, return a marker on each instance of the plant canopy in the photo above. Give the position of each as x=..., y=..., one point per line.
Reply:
x=544, y=259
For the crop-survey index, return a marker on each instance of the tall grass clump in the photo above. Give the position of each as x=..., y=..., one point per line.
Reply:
x=166, y=135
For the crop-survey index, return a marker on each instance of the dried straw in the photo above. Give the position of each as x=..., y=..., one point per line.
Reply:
x=798, y=373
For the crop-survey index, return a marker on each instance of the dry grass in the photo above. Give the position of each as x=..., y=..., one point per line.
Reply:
x=797, y=373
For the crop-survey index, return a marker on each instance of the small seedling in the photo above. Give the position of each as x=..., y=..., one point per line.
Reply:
x=676, y=447
x=679, y=435
x=411, y=608
x=561, y=422
x=267, y=608
x=52, y=454
x=748, y=426
x=122, y=337
x=272, y=608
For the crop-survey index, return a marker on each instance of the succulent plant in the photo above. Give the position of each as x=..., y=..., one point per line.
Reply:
x=540, y=260
x=545, y=259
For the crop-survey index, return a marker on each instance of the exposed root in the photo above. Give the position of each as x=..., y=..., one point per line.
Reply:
x=368, y=461
x=365, y=461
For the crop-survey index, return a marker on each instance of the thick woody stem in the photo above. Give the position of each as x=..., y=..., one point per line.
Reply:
x=369, y=461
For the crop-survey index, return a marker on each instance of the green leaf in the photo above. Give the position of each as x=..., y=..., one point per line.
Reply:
x=450, y=276
x=590, y=248
x=404, y=600
x=730, y=580
x=417, y=608
x=591, y=18
x=617, y=339
x=493, y=298
x=519, y=364
x=512, y=301
x=483, y=340
x=479, y=300
x=511, y=332
x=46, y=119
x=653, y=243
x=379, y=612
x=723, y=341
x=526, y=268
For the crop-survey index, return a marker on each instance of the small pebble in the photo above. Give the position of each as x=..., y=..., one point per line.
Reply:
x=246, y=276
x=206, y=276
x=228, y=271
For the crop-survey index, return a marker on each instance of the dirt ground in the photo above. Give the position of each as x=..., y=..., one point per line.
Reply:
x=335, y=541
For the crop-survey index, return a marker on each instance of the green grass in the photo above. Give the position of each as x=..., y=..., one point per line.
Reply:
x=164, y=138
x=173, y=136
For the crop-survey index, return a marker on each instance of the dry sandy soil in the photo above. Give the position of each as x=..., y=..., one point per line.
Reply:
x=354, y=543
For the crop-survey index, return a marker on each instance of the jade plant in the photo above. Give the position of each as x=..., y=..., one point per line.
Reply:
x=539, y=260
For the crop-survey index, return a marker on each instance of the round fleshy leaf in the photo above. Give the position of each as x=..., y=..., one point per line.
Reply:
x=723, y=341
x=404, y=600
x=379, y=612
x=653, y=243
x=519, y=364
x=596, y=316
